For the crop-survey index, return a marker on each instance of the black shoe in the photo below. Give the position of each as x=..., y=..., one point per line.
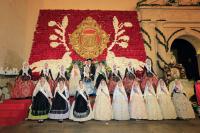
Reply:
x=60, y=121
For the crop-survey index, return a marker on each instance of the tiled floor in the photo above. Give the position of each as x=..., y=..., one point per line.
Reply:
x=49, y=126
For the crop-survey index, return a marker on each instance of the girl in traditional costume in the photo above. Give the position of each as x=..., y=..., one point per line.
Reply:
x=63, y=75
x=41, y=101
x=100, y=74
x=24, y=86
x=152, y=106
x=114, y=77
x=81, y=109
x=137, y=105
x=46, y=72
x=129, y=78
x=149, y=75
x=60, y=105
x=87, y=79
x=75, y=77
x=165, y=101
x=181, y=102
x=102, y=107
x=120, y=103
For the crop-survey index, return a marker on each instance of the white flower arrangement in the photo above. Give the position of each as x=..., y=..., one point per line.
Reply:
x=7, y=71
x=54, y=64
x=122, y=62
x=59, y=30
x=119, y=38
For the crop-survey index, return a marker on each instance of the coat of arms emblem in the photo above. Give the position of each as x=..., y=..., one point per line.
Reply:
x=89, y=40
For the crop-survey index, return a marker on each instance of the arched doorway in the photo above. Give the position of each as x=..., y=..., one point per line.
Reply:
x=185, y=54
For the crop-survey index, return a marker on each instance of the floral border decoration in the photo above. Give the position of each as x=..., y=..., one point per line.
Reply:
x=173, y=35
x=158, y=63
x=160, y=58
x=196, y=30
x=148, y=43
x=169, y=3
x=164, y=44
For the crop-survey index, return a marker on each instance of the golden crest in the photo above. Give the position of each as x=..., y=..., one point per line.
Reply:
x=89, y=40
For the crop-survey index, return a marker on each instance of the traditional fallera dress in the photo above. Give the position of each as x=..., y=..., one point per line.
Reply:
x=120, y=104
x=99, y=75
x=182, y=104
x=63, y=75
x=46, y=72
x=40, y=105
x=88, y=80
x=165, y=101
x=60, y=105
x=75, y=76
x=129, y=79
x=137, y=106
x=113, y=77
x=102, y=107
x=81, y=109
x=24, y=86
x=149, y=75
x=152, y=106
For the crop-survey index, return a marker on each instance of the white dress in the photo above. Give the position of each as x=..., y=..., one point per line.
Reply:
x=165, y=101
x=182, y=104
x=137, y=106
x=102, y=107
x=75, y=76
x=120, y=104
x=152, y=106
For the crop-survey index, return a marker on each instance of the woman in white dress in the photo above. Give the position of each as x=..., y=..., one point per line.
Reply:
x=60, y=106
x=75, y=76
x=81, y=109
x=120, y=103
x=181, y=102
x=102, y=107
x=152, y=106
x=165, y=101
x=137, y=105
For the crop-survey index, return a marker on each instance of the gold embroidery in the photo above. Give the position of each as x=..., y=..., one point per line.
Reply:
x=89, y=40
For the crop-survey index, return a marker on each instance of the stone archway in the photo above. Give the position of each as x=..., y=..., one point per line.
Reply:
x=185, y=50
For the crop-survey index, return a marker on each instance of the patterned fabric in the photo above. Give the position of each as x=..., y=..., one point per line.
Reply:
x=22, y=88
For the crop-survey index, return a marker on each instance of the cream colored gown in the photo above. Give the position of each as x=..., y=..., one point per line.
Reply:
x=182, y=104
x=165, y=101
x=152, y=106
x=137, y=105
x=75, y=76
x=120, y=104
x=102, y=107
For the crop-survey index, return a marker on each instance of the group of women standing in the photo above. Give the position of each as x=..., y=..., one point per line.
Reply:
x=152, y=102
x=151, y=105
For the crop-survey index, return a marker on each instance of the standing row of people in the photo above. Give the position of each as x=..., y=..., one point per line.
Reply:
x=151, y=105
x=90, y=75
